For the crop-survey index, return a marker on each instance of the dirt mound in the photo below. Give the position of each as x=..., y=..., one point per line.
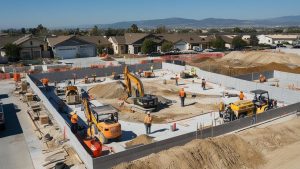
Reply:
x=230, y=152
x=113, y=90
x=273, y=137
x=142, y=139
x=261, y=57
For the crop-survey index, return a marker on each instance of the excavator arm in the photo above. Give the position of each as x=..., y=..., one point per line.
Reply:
x=131, y=79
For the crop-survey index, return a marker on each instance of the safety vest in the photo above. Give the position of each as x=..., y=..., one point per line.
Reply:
x=182, y=93
x=74, y=118
x=242, y=96
x=148, y=120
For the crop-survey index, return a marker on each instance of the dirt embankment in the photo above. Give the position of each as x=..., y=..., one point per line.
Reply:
x=230, y=152
x=254, y=148
x=238, y=63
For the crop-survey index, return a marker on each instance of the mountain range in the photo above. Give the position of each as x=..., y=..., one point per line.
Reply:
x=205, y=23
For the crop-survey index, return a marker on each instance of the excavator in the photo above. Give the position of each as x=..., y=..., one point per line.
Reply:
x=135, y=89
x=188, y=73
x=103, y=122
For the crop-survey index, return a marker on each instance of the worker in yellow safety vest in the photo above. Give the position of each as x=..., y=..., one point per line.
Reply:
x=74, y=122
x=148, y=122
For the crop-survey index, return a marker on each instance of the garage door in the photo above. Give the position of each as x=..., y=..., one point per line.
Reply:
x=66, y=53
x=87, y=51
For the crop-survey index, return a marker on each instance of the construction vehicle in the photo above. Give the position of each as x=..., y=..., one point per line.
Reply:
x=263, y=101
x=188, y=73
x=135, y=89
x=72, y=95
x=243, y=108
x=103, y=122
x=149, y=74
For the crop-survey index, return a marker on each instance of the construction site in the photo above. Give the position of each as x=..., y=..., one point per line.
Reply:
x=207, y=111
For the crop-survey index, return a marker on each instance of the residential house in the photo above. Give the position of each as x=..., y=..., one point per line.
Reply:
x=184, y=42
x=31, y=47
x=68, y=47
x=277, y=39
x=228, y=40
x=100, y=41
x=134, y=41
x=5, y=39
x=118, y=44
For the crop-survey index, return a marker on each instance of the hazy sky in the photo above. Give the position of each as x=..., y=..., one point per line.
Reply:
x=56, y=13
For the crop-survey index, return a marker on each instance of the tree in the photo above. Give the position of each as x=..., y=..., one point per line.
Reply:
x=134, y=28
x=148, y=46
x=237, y=30
x=213, y=31
x=218, y=43
x=161, y=29
x=95, y=31
x=166, y=46
x=23, y=30
x=12, y=51
x=238, y=42
x=253, y=40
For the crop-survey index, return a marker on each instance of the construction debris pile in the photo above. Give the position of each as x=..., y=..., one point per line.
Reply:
x=112, y=90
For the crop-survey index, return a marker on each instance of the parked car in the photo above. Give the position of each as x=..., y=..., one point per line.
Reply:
x=296, y=46
x=2, y=119
x=280, y=46
x=153, y=54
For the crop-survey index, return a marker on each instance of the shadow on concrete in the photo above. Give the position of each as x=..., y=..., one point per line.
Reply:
x=127, y=135
x=160, y=130
x=12, y=124
x=190, y=104
x=3, y=96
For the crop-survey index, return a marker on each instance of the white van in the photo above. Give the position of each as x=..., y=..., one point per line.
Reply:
x=2, y=119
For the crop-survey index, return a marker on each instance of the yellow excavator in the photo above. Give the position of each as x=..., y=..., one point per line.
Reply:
x=103, y=122
x=135, y=89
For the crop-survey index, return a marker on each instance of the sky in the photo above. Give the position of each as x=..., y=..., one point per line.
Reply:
x=60, y=13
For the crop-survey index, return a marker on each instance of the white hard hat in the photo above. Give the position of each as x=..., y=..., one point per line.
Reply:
x=148, y=112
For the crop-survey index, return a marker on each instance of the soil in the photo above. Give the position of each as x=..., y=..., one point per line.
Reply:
x=276, y=146
x=142, y=139
x=229, y=152
x=238, y=63
x=113, y=90
x=168, y=113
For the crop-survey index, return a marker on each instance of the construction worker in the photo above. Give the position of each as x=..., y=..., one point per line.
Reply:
x=74, y=122
x=45, y=82
x=182, y=96
x=148, y=122
x=203, y=84
x=140, y=72
x=176, y=80
x=152, y=68
x=241, y=96
x=262, y=78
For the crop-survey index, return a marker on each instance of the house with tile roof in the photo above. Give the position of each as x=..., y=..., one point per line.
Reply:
x=69, y=47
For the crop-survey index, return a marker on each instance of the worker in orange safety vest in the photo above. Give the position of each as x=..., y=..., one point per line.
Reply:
x=182, y=96
x=74, y=122
x=242, y=96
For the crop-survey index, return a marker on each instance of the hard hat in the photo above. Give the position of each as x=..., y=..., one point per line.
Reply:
x=148, y=112
x=202, y=77
x=241, y=91
x=72, y=113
